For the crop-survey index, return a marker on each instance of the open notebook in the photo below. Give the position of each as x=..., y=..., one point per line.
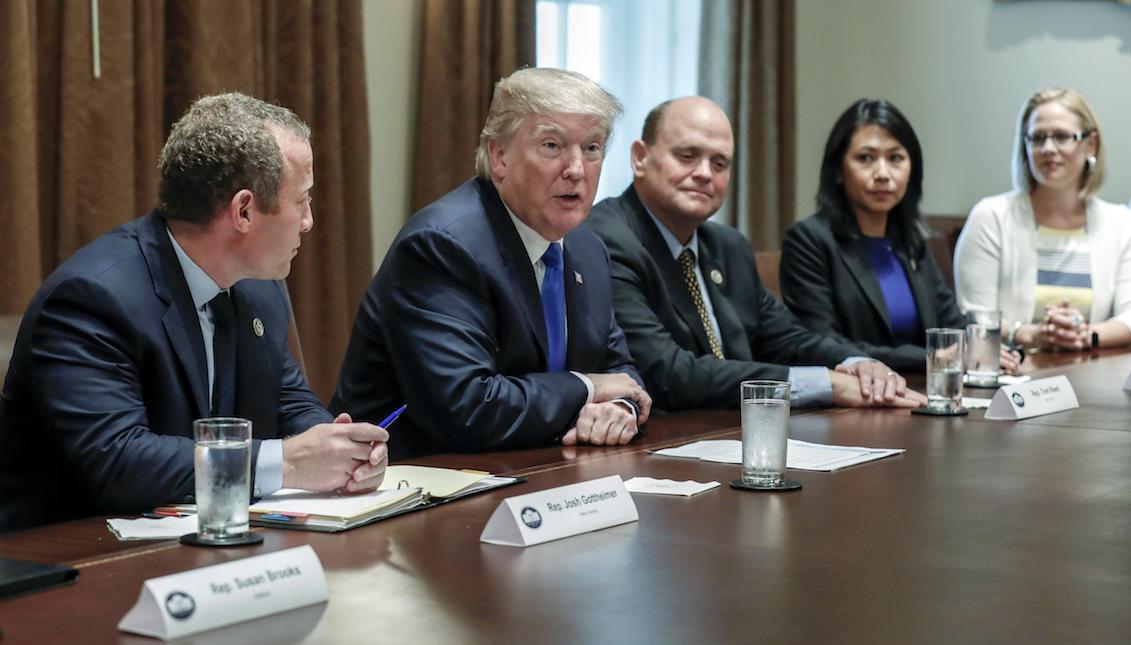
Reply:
x=404, y=489
x=441, y=483
x=303, y=509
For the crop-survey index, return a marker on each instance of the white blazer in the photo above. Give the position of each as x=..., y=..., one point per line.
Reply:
x=995, y=261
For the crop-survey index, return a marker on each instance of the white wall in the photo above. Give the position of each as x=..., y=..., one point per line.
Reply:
x=392, y=43
x=960, y=70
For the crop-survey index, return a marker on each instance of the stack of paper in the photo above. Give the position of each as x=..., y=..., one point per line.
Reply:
x=303, y=509
x=801, y=455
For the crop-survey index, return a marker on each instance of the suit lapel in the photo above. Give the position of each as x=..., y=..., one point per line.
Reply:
x=580, y=333
x=670, y=272
x=859, y=264
x=182, y=325
x=254, y=363
x=516, y=263
x=730, y=325
x=920, y=291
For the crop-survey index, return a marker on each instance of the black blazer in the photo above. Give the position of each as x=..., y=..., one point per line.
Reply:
x=109, y=371
x=665, y=335
x=452, y=326
x=829, y=284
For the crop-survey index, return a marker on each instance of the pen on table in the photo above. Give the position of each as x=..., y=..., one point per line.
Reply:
x=392, y=417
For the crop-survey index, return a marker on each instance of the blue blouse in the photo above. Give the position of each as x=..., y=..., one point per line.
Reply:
x=902, y=311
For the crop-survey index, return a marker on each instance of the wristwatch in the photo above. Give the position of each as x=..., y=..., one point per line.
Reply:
x=1011, y=337
x=1095, y=339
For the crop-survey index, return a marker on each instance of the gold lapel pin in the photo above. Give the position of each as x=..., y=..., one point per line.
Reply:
x=716, y=276
x=257, y=327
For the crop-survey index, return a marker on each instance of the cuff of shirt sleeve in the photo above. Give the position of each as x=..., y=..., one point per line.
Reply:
x=268, y=468
x=588, y=386
x=631, y=405
x=810, y=387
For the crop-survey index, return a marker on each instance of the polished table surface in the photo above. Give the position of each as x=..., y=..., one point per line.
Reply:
x=983, y=531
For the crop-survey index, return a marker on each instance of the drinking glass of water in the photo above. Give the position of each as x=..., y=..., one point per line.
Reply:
x=765, y=435
x=945, y=367
x=223, y=480
x=983, y=347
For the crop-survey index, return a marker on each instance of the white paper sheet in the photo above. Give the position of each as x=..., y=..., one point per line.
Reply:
x=1006, y=379
x=801, y=455
x=667, y=486
x=166, y=528
x=975, y=403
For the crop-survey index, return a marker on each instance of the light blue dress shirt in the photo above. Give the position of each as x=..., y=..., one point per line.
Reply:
x=809, y=385
x=269, y=464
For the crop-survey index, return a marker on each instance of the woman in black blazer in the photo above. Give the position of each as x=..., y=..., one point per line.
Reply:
x=859, y=269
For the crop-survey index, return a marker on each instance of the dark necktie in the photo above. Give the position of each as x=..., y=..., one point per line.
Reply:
x=553, y=307
x=687, y=262
x=223, y=356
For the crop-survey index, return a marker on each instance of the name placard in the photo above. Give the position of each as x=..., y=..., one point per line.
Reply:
x=1032, y=399
x=195, y=601
x=560, y=512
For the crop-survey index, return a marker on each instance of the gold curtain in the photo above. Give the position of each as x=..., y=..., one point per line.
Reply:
x=747, y=64
x=78, y=154
x=466, y=47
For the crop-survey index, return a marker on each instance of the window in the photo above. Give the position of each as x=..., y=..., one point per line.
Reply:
x=643, y=51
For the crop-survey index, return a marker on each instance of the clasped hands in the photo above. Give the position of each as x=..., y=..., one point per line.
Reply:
x=342, y=455
x=1063, y=327
x=872, y=384
x=605, y=422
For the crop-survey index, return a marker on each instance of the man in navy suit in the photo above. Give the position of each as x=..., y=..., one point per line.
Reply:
x=686, y=291
x=491, y=316
x=172, y=317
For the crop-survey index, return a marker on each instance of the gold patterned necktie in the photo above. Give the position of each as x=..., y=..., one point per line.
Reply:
x=687, y=261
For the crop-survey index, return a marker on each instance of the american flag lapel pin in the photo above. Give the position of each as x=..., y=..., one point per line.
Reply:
x=577, y=276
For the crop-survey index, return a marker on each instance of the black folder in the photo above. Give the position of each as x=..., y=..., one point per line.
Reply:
x=19, y=577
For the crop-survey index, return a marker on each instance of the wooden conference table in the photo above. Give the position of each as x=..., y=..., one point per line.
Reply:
x=983, y=531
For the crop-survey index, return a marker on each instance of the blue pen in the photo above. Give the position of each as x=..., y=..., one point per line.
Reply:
x=392, y=417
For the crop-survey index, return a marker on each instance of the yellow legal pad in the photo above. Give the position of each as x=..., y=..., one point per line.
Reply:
x=437, y=483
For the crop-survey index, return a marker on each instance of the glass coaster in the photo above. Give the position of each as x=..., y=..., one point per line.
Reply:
x=966, y=381
x=247, y=539
x=940, y=413
x=786, y=484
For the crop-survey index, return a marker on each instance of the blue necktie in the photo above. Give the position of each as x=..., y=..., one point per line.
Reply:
x=223, y=356
x=553, y=307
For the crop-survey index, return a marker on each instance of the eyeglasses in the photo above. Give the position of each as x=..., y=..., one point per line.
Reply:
x=1063, y=140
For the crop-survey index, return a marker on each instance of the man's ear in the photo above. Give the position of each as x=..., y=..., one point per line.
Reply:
x=497, y=158
x=639, y=154
x=239, y=209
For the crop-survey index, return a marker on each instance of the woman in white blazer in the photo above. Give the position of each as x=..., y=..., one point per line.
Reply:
x=1054, y=258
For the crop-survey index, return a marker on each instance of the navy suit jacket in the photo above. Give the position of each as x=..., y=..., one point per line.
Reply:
x=109, y=372
x=452, y=325
x=830, y=285
x=760, y=338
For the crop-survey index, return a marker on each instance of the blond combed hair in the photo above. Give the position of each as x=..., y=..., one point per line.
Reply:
x=542, y=90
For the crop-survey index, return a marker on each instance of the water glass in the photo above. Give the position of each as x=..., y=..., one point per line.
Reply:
x=223, y=477
x=945, y=361
x=983, y=347
x=765, y=432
